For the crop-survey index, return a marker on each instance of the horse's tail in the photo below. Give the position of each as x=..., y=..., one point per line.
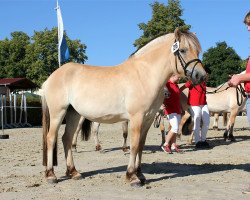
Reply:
x=46, y=125
x=86, y=129
x=225, y=119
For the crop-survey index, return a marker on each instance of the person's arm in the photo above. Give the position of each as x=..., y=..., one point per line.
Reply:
x=239, y=78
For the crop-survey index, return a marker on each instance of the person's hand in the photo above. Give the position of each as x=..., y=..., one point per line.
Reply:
x=234, y=81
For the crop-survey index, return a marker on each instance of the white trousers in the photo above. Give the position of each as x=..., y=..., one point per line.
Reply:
x=200, y=130
x=174, y=120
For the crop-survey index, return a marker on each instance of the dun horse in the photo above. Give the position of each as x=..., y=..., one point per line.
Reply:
x=133, y=90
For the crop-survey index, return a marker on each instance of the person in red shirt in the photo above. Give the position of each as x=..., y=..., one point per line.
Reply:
x=244, y=78
x=172, y=109
x=199, y=112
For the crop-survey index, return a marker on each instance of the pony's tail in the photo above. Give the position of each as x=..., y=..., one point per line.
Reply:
x=225, y=118
x=46, y=125
x=86, y=129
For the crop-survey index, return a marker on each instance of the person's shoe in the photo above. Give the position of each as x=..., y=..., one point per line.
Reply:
x=199, y=145
x=166, y=149
x=205, y=144
x=176, y=148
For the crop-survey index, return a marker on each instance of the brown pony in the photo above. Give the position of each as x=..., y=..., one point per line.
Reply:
x=133, y=90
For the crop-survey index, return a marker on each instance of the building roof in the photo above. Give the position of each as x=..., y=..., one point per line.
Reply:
x=17, y=83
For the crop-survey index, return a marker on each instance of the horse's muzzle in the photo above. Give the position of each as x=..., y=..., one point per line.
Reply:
x=197, y=76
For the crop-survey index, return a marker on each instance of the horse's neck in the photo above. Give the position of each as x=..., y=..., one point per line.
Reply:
x=154, y=67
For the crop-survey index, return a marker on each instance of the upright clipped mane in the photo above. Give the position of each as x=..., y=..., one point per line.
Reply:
x=187, y=37
x=150, y=44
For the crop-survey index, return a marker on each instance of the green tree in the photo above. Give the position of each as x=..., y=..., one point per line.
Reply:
x=12, y=55
x=221, y=61
x=35, y=57
x=165, y=19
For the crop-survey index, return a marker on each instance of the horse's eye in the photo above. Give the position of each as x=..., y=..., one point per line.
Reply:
x=183, y=50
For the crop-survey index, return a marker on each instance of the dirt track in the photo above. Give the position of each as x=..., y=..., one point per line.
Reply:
x=221, y=172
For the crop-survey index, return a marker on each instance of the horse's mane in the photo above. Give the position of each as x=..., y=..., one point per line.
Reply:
x=187, y=37
x=142, y=49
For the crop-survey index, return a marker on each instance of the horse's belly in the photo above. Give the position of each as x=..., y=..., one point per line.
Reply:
x=109, y=119
x=218, y=108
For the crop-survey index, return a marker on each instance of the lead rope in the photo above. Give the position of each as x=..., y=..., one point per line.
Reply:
x=240, y=90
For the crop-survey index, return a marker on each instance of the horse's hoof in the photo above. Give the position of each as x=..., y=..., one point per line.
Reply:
x=125, y=149
x=77, y=177
x=215, y=128
x=52, y=180
x=98, y=147
x=225, y=135
x=136, y=184
x=232, y=138
x=143, y=180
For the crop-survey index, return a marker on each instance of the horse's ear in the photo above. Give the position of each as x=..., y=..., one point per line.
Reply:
x=177, y=34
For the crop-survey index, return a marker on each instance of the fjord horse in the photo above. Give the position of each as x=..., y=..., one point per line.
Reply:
x=132, y=90
x=95, y=132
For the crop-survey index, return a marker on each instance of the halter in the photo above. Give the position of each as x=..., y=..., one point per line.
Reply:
x=175, y=50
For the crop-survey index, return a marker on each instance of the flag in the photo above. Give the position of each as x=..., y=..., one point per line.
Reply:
x=63, y=50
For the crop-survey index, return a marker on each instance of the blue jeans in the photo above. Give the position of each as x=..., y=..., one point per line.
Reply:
x=248, y=110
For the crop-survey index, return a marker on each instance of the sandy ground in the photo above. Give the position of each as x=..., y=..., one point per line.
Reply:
x=221, y=172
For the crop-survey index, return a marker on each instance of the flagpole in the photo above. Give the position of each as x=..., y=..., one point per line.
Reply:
x=63, y=51
x=58, y=33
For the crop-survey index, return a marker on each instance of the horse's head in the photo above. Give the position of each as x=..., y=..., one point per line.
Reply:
x=186, y=49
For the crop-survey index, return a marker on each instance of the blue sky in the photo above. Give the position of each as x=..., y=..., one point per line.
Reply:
x=110, y=27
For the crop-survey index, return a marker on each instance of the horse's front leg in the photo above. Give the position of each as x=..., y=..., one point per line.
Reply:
x=139, y=155
x=136, y=128
x=231, y=136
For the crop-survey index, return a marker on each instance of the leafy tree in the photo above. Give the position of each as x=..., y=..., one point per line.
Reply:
x=222, y=61
x=12, y=55
x=35, y=57
x=165, y=19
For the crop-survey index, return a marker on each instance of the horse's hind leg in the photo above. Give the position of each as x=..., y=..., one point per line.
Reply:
x=125, y=147
x=55, y=122
x=72, y=121
x=95, y=128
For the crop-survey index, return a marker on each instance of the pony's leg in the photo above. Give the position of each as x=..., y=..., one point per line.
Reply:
x=190, y=140
x=95, y=127
x=55, y=122
x=78, y=130
x=139, y=155
x=125, y=147
x=231, y=126
x=136, y=129
x=72, y=122
x=162, y=129
x=216, y=119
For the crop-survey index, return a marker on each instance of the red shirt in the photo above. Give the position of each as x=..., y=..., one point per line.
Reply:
x=196, y=95
x=172, y=104
x=247, y=83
